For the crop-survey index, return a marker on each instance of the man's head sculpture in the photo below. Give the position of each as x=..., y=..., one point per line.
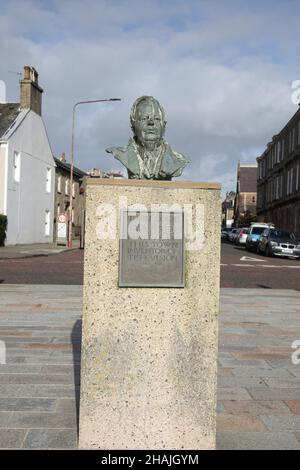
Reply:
x=147, y=155
x=148, y=122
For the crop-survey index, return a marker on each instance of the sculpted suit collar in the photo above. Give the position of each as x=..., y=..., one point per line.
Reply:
x=172, y=163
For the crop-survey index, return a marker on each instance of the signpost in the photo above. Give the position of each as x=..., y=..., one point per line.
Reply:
x=61, y=238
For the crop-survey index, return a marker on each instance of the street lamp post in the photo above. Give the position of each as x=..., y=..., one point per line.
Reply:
x=72, y=162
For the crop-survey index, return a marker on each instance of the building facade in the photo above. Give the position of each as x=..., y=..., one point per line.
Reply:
x=278, y=185
x=246, y=193
x=228, y=209
x=63, y=193
x=27, y=168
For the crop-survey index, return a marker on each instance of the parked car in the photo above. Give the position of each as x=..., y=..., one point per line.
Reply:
x=255, y=232
x=242, y=236
x=232, y=235
x=225, y=232
x=279, y=242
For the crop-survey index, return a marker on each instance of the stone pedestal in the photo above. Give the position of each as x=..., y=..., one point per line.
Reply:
x=149, y=355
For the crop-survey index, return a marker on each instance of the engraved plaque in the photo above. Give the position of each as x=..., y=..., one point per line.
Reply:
x=151, y=249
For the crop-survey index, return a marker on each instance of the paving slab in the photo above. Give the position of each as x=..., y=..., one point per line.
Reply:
x=282, y=423
x=257, y=441
x=12, y=438
x=51, y=439
x=257, y=408
x=294, y=406
x=265, y=372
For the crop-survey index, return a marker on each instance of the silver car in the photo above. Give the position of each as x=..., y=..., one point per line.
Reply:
x=279, y=243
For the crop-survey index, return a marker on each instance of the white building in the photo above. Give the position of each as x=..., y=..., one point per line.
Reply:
x=27, y=167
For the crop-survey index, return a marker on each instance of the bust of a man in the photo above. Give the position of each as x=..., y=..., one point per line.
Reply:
x=148, y=155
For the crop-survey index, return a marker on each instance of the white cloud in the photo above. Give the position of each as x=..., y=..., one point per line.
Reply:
x=222, y=76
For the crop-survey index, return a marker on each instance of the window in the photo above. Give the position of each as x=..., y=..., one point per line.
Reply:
x=293, y=139
x=73, y=189
x=67, y=187
x=257, y=230
x=48, y=180
x=290, y=175
x=282, y=149
x=58, y=210
x=59, y=184
x=47, y=223
x=277, y=188
x=17, y=167
x=282, y=234
x=297, y=177
x=277, y=152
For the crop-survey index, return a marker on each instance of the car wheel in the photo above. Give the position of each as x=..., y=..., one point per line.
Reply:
x=268, y=251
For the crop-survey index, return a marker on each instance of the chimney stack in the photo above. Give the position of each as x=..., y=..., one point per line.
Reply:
x=30, y=91
x=63, y=157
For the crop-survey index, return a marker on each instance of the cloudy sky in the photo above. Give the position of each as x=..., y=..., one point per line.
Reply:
x=222, y=69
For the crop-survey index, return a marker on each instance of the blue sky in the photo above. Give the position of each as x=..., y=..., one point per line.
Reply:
x=222, y=69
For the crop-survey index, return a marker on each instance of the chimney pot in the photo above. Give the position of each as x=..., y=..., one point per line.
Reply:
x=27, y=69
x=63, y=157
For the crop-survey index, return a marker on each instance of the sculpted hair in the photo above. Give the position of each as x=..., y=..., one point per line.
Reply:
x=140, y=100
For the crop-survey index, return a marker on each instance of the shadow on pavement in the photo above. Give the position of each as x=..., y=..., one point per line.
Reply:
x=76, y=348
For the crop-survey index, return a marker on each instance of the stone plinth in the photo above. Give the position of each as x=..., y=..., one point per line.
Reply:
x=149, y=355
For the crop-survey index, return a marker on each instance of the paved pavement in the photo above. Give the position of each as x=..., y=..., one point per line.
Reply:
x=34, y=249
x=258, y=387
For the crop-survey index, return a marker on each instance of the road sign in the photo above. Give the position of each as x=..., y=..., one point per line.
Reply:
x=62, y=218
x=61, y=236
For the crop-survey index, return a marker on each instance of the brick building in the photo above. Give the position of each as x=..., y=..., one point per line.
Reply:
x=63, y=193
x=278, y=183
x=246, y=193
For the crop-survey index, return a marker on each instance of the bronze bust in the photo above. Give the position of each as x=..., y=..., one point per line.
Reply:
x=148, y=155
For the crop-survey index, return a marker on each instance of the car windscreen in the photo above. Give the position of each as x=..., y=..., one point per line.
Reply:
x=282, y=234
x=258, y=230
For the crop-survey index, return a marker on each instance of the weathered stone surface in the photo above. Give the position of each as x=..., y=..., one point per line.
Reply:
x=149, y=354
